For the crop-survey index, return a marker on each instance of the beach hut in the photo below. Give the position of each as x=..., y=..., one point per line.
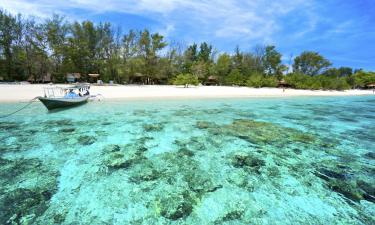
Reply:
x=31, y=79
x=137, y=78
x=72, y=77
x=283, y=84
x=46, y=78
x=94, y=77
x=369, y=86
x=1, y=78
x=211, y=80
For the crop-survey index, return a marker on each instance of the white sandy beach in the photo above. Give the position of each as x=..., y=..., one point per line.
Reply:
x=23, y=92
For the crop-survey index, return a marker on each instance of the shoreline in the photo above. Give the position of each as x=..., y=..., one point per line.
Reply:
x=23, y=92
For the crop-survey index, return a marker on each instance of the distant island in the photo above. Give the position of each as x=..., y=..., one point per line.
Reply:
x=56, y=50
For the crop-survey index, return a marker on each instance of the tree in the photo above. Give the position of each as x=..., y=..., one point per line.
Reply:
x=205, y=52
x=259, y=54
x=186, y=79
x=30, y=48
x=36, y=47
x=255, y=80
x=237, y=59
x=175, y=59
x=235, y=77
x=272, y=61
x=200, y=69
x=332, y=72
x=223, y=66
x=150, y=44
x=363, y=78
x=310, y=63
x=10, y=44
x=258, y=80
x=345, y=71
x=56, y=30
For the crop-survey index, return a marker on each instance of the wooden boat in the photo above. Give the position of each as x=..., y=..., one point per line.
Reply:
x=54, y=103
x=57, y=97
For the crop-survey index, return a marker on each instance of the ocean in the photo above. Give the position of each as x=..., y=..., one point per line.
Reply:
x=297, y=160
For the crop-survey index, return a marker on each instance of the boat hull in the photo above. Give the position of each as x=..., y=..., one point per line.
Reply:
x=55, y=103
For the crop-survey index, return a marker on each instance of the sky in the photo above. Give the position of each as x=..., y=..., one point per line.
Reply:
x=341, y=30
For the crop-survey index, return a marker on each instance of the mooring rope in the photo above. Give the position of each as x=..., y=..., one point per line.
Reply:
x=23, y=107
x=99, y=97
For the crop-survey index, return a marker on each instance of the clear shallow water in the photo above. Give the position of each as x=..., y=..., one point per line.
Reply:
x=244, y=161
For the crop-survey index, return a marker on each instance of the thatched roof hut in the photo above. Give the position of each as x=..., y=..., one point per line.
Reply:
x=137, y=78
x=212, y=80
x=94, y=75
x=46, y=78
x=282, y=83
x=72, y=77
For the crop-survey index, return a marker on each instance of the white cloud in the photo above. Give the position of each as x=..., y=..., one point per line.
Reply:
x=256, y=20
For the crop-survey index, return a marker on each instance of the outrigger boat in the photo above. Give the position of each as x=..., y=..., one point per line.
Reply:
x=58, y=97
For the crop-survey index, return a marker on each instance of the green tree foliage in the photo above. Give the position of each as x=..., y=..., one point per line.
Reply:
x=223, y=66
x=272, y=61
x=320, y=82
x=237, y=59
x=205, y=52
x=186, y=79
x=190, y=57
x=256, y=80
x=200, y=70
x=259, y=80
x=340, y=72
x=310, y=63
x=149, y=45
x=11, y=28
x=235, y=77
x=31, y=49
x=362, y=78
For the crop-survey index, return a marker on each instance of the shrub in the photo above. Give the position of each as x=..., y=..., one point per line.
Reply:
x=302, y=81
x=362, y=78
x=235, y=77
x=258, y=80
x=269, y=81
x=186, y=79
x=254, y=80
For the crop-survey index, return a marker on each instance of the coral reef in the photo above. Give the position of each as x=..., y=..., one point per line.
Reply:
x=22, y=205
x=176, y=205
x=244, y=161
x=86, y=140
x=153, y=127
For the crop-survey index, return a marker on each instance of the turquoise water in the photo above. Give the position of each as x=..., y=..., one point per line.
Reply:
x=301, y=160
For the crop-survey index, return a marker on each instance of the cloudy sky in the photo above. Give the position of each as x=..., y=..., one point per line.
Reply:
x=341, y=30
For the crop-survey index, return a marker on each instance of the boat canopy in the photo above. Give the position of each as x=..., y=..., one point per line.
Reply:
x=78, y=86
x=59, y=92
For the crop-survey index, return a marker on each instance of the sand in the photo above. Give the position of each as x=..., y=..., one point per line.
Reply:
x=24, y=92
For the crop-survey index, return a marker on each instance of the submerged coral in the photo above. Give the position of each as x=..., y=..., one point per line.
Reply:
x=24, y=205
x=86, y=140
x=344, y=183
x=153, y=127
x=176, y=205
x=233, y=162
x=115, y=157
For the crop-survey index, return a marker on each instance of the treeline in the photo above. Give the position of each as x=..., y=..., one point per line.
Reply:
x=30, y=49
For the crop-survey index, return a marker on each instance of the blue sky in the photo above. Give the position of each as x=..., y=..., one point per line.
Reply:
x=341, y=30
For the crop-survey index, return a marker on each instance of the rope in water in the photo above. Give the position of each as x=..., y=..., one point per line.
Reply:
x=99, y=97
x=23, y=107
x=32, y=100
